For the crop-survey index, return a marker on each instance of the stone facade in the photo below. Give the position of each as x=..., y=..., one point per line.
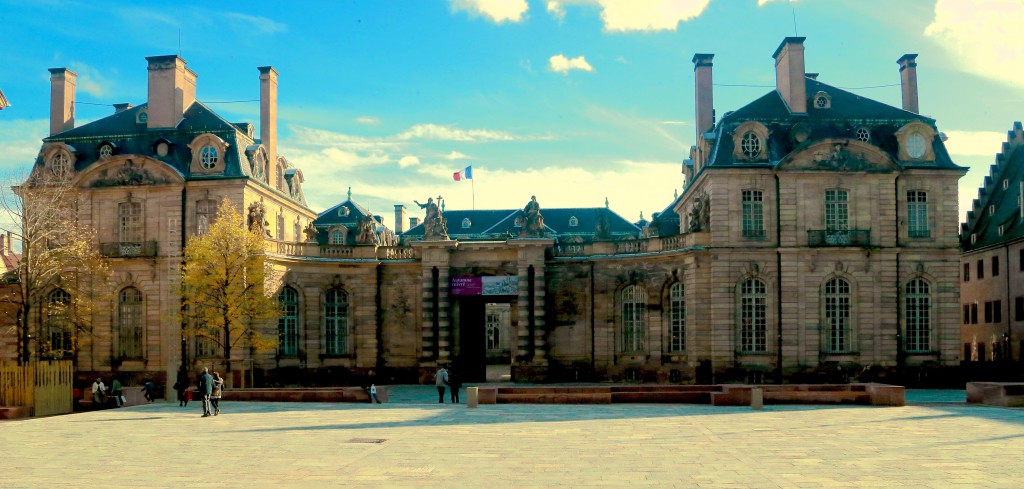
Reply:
x=812, y=240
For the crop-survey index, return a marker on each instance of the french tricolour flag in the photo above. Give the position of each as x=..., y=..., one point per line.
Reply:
x=465, y=174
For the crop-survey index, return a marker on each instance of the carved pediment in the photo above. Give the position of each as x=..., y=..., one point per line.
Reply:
x=127, y=170
x=839, y=155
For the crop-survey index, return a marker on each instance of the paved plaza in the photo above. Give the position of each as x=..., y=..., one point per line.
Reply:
x=934, y=442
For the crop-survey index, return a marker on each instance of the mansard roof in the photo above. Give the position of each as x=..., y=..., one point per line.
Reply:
x=995, y=205
x=501, y=224
x=846, y=113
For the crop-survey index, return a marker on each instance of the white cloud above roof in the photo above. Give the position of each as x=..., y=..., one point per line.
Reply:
x=560, y=64
x=408, y=161
x=981, y=36
x=497, y=11
x=633, y=15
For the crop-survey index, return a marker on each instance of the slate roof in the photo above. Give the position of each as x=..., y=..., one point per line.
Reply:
x=501, y=224
x=1009, y=167
x=847, y=113
x=347, y=214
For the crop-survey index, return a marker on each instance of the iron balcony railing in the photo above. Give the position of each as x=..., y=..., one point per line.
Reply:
x=836, y=237
x=128, y=250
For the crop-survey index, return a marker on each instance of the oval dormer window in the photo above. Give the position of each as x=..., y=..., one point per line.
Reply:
x=863, y=134
x=106, y=151
x=466, y=223
x=573, y=222
x=915, y=145
x=751, y=145
x=208, y=157
x=162, y=148
x=60, y=164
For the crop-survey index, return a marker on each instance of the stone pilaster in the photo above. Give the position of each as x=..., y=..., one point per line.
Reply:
x=435, y=323
x=531, y=346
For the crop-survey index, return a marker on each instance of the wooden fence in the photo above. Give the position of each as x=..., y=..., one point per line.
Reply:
x=44, y=386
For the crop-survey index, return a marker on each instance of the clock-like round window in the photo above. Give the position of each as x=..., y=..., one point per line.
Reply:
x=60, y=164
x=208, y=157
x=863, y=134
x=751, y=145
x=162, y=149
x=106, y=151
x=821, y=102
x=915, y=145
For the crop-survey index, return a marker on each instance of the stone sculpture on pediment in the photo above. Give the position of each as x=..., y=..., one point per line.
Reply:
x=128, y=174
x=367, y=231
x=700, y=214
x=310, y=231
x=434, y=226
x=533, y=221
x=257, y=219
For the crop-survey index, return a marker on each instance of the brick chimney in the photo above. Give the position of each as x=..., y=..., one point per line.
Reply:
x=172, y=89
x=399, y=218
x=413, y=222
x=118, y=108
x=789, y=74
x=702, y=93
x=268, y=117
x=62, y=99
x=908, y=79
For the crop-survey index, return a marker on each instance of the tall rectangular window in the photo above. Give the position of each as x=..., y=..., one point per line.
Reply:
x=753, y=317
x=634, y=323
x=917, y=214
x=988, y=312
x=1018, y=308
x=753, y=214
x=677, y=308
x=1020, y=260
x=129, y=217
x=129, y=323
x=997, y=311
x=967, y=314
x=288, y=323
x=967, y=272
x=918, y=315
x=836, y=210
x=974, y=313
x=995, y=266
x=981, y=269
x=206, y=209
x=837, y=315
x=336, y=322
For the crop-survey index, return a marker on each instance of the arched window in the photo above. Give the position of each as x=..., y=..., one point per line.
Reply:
x=918, y=311
x=751, y=145
x=336, y=322
x=130, y=327
x=208, y=157
x=288, y=323
x=838, y=336
x=753, y=316
x=57, y=332
x=573, y=222
x=634, y=318
x=677, y=314
x=129, y=215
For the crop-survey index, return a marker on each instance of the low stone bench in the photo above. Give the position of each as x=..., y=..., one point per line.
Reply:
x=555, y=398
x=1004, y=394
x=665, y=397
x=304, y=394
x=866, y=394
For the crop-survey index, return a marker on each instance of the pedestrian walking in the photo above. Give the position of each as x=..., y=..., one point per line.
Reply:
x=206, y=390
x=149, y=390
x=181, y=385
x=115, y=392
x=373, y=394
x=216, y=392
x=441, y=380
x=454, y=383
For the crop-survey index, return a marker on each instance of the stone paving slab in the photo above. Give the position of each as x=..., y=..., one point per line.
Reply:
x=425, y=444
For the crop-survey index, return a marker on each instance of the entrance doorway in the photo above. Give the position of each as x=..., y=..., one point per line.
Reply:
x=483, y=339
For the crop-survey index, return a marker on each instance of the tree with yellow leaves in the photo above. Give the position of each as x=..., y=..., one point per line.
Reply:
x=224, y=298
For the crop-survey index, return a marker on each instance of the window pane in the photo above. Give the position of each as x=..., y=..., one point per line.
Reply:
x=918, y=308
x=634, y=304
x=288, y=324
x=677, y=330
x=753, y=317
x=336, y=322
x=753, y=214
x=129, y=324
x=837, y=315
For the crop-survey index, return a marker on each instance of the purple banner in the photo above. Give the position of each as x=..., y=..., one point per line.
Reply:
x=464, y=286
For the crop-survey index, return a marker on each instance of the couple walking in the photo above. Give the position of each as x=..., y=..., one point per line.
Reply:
x=211, y=387
x=443, y=379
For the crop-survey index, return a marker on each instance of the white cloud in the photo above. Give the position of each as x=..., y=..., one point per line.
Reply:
x=455, y=155
x=560, y=64
x=633, y=15
x=975, y=143
x=408, y=161
x=980, y=35
x=252, y=23
x=21, y=140
x=90, y=80
x=761, y=3
x=497, y=11
x=449, y=133
x=677, y=123
x=368, y=120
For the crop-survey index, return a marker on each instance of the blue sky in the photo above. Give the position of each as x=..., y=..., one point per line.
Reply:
x=573, y=101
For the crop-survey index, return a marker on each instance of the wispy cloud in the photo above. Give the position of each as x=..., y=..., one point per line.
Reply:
x=761, y=3
x=438, y=132
x=560, y=64
x=252, y=23
x=21, y=140
x=455, y=155
x=368, y=120
x=975, y=143
x=408, y=161
x=643, y=16
x=91, y=80
x=979, y=35
x=497, y=11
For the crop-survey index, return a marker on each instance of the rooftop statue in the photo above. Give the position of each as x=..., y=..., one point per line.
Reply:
x=434, y=226
x=533, y=221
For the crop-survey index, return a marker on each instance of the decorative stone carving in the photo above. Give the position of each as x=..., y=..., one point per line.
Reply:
x=700, y=214
x=310, y=231
x=434, y=226
x=367, y=231
x=129, y=174
x=257, y=219
x=533, y=223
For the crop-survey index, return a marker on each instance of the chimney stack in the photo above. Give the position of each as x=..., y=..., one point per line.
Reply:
x=908, y=79
x=702, y=93
x=789, y=74
x=172, y=89
x=399, y=218
x=268, y=117
x=62, y=99
x=118, y=108
x=413, y=222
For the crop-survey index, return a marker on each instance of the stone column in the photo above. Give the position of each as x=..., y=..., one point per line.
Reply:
x=532, y=344
x=435, y=324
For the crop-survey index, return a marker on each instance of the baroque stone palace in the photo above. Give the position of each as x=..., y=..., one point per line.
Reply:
x=817, y=232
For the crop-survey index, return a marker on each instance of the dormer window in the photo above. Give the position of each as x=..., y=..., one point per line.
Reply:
x=142, y=117
x=208, y=158
x=915, y=145
x=991, y=210
x=751, y=145
x=1006, y=184
x=60, y=164
x=915, y=142
x=822, y=101
x=863, y=134
x=343, y=211
x=466, y=223
x=573, y=222
x=162, y=148
x=106, y=151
